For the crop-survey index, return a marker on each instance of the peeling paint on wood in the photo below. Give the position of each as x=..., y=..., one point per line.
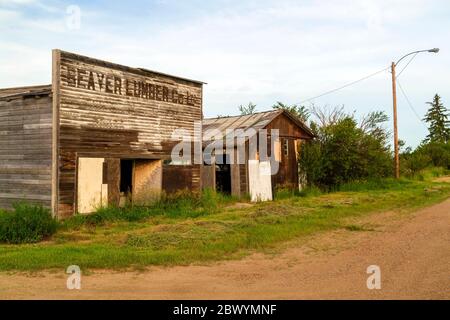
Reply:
x=112, y=111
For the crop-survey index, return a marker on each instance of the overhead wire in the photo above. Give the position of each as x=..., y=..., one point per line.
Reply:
x=344, y=86
x=410, y=60
x=409, y=103
x=369, y=76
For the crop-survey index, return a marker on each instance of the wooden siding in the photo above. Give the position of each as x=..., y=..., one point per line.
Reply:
x=176, y=178
x=208, y=174
x=243, y=179
x=290, y=128
x=25, y=150
x=287, y=175
x=243, y=172
x=287, y=128
x=113, y=181
x=112, y=111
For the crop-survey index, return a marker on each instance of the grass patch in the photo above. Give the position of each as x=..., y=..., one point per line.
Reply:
x=179, y=205
x=188, y=230
x=430, y=173
x=26, y=224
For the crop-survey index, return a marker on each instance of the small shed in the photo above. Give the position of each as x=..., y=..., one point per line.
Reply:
x=246, y=173
x=100, y=133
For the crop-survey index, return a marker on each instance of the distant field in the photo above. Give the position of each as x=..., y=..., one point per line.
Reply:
x=230, y=231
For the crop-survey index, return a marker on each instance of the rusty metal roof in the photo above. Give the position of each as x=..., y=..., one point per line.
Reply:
x=255, y=121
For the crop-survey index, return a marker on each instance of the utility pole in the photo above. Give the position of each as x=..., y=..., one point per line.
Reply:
x=394, y=103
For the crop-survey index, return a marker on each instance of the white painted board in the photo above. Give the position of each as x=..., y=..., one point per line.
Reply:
x=260, y=180
x=91, y=191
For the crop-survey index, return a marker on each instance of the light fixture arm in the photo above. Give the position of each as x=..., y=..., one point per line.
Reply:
x=434, y=50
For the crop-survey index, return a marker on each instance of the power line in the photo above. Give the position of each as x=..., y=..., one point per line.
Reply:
x=410, y=60
x=409, y=103
x=344, y=86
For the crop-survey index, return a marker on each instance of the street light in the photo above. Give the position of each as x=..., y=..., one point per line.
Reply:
x=394, y=100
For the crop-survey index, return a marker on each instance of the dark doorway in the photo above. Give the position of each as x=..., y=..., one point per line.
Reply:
x=126, y=176
x=223, y=174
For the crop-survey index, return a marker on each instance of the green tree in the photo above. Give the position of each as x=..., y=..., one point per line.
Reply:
x=437, y=119
x=300, y=111
x=344, y=150
x=434, y=151
x=249, y=109
x=437, y=152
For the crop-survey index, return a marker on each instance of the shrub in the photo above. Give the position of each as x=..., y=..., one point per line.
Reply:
x=26, y=224
x=426, y=155
x=415, y=163
x=438, y=153
x=344, y=151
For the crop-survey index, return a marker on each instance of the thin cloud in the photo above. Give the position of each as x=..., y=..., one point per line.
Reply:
x=248, y=51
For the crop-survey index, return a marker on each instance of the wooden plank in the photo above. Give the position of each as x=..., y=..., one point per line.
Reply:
x=177, y=178
x=235, y=180
x=56, y=84
x=8, y=203
x=208, y=174
x=113, y=181
x=25, y=196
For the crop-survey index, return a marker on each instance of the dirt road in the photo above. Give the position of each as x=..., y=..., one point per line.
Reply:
x=412, y=251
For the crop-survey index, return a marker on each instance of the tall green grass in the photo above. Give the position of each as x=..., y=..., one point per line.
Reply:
x=430, y=173
x=374, y=184
x=289, y=192
x=26, y=223
x=183, y=204
x=391, y=183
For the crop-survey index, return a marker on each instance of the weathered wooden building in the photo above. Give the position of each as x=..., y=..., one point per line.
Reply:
x=100, y=132
x=243, y=176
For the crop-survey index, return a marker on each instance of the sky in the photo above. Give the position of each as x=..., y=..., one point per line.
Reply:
x=261, y=51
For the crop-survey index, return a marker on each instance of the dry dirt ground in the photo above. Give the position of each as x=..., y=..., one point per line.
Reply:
x=411, y=249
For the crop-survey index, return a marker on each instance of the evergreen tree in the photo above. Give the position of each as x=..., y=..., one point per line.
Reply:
x=437, y=119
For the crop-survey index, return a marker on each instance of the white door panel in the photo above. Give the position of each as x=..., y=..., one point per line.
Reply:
x=91, y=193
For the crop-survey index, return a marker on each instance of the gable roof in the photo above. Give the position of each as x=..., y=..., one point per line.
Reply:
x=255, y=121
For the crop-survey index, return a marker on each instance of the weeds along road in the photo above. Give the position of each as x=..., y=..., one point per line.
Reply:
x=411, y=249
